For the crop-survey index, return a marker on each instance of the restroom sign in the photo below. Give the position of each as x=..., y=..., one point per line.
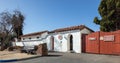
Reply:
x=108, y=38
x=60, y=37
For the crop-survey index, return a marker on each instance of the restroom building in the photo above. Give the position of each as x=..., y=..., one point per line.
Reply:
x=69, y=39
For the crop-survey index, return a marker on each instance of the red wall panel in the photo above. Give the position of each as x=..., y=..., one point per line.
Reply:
x=92, y=45
x=100, y=45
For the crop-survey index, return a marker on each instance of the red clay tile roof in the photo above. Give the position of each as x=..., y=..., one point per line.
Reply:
x=33, y=34
x=80, y=27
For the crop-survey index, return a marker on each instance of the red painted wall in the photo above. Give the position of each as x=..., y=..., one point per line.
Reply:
x=102, y=43
x=92, y=45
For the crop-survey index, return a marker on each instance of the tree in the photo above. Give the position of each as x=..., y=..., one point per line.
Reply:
x=11, y=24
x=5, y=27
x=18, y=19
x=109, y=11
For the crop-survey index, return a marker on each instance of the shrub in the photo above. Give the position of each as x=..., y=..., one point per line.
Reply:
x=10, y=48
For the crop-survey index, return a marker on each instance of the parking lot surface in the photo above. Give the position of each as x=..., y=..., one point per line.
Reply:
x=55, y=57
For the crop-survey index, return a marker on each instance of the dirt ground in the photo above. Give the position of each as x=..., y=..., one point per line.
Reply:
x=6, y=55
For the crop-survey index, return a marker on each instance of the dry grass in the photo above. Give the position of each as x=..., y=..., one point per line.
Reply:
x=4, y=55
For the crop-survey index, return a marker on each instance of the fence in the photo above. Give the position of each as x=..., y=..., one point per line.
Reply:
x=103, y=42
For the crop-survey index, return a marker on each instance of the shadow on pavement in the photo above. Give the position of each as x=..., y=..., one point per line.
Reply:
x=52, y=55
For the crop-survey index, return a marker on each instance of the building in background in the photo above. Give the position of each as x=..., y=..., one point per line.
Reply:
x=70, y=39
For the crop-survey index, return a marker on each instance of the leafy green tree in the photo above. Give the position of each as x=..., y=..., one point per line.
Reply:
x=109, y=11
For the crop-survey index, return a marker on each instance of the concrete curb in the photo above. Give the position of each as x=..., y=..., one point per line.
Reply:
x=10, y=60
x=13, y=60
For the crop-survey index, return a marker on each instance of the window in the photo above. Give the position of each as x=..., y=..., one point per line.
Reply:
x=37, y=37
x=30, y=38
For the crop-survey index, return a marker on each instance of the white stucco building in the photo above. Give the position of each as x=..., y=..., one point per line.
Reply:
x=70, y=39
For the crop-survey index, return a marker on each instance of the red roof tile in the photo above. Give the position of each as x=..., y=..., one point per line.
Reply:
x=32, y=34
x=80, y=27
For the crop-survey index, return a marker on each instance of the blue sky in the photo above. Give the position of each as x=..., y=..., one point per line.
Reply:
x=52, y=14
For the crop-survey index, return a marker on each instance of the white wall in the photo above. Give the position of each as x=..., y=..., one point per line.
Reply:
x=43, y=35
x=29, y=43
x=48, y=43
x=85, y=31
x=33, y=41
x=62, y=45
x=59, y=45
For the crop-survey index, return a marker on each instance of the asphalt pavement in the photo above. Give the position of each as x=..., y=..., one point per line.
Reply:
x=55, y=57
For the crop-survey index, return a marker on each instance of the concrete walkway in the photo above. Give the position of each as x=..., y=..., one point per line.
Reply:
x=73, y=58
